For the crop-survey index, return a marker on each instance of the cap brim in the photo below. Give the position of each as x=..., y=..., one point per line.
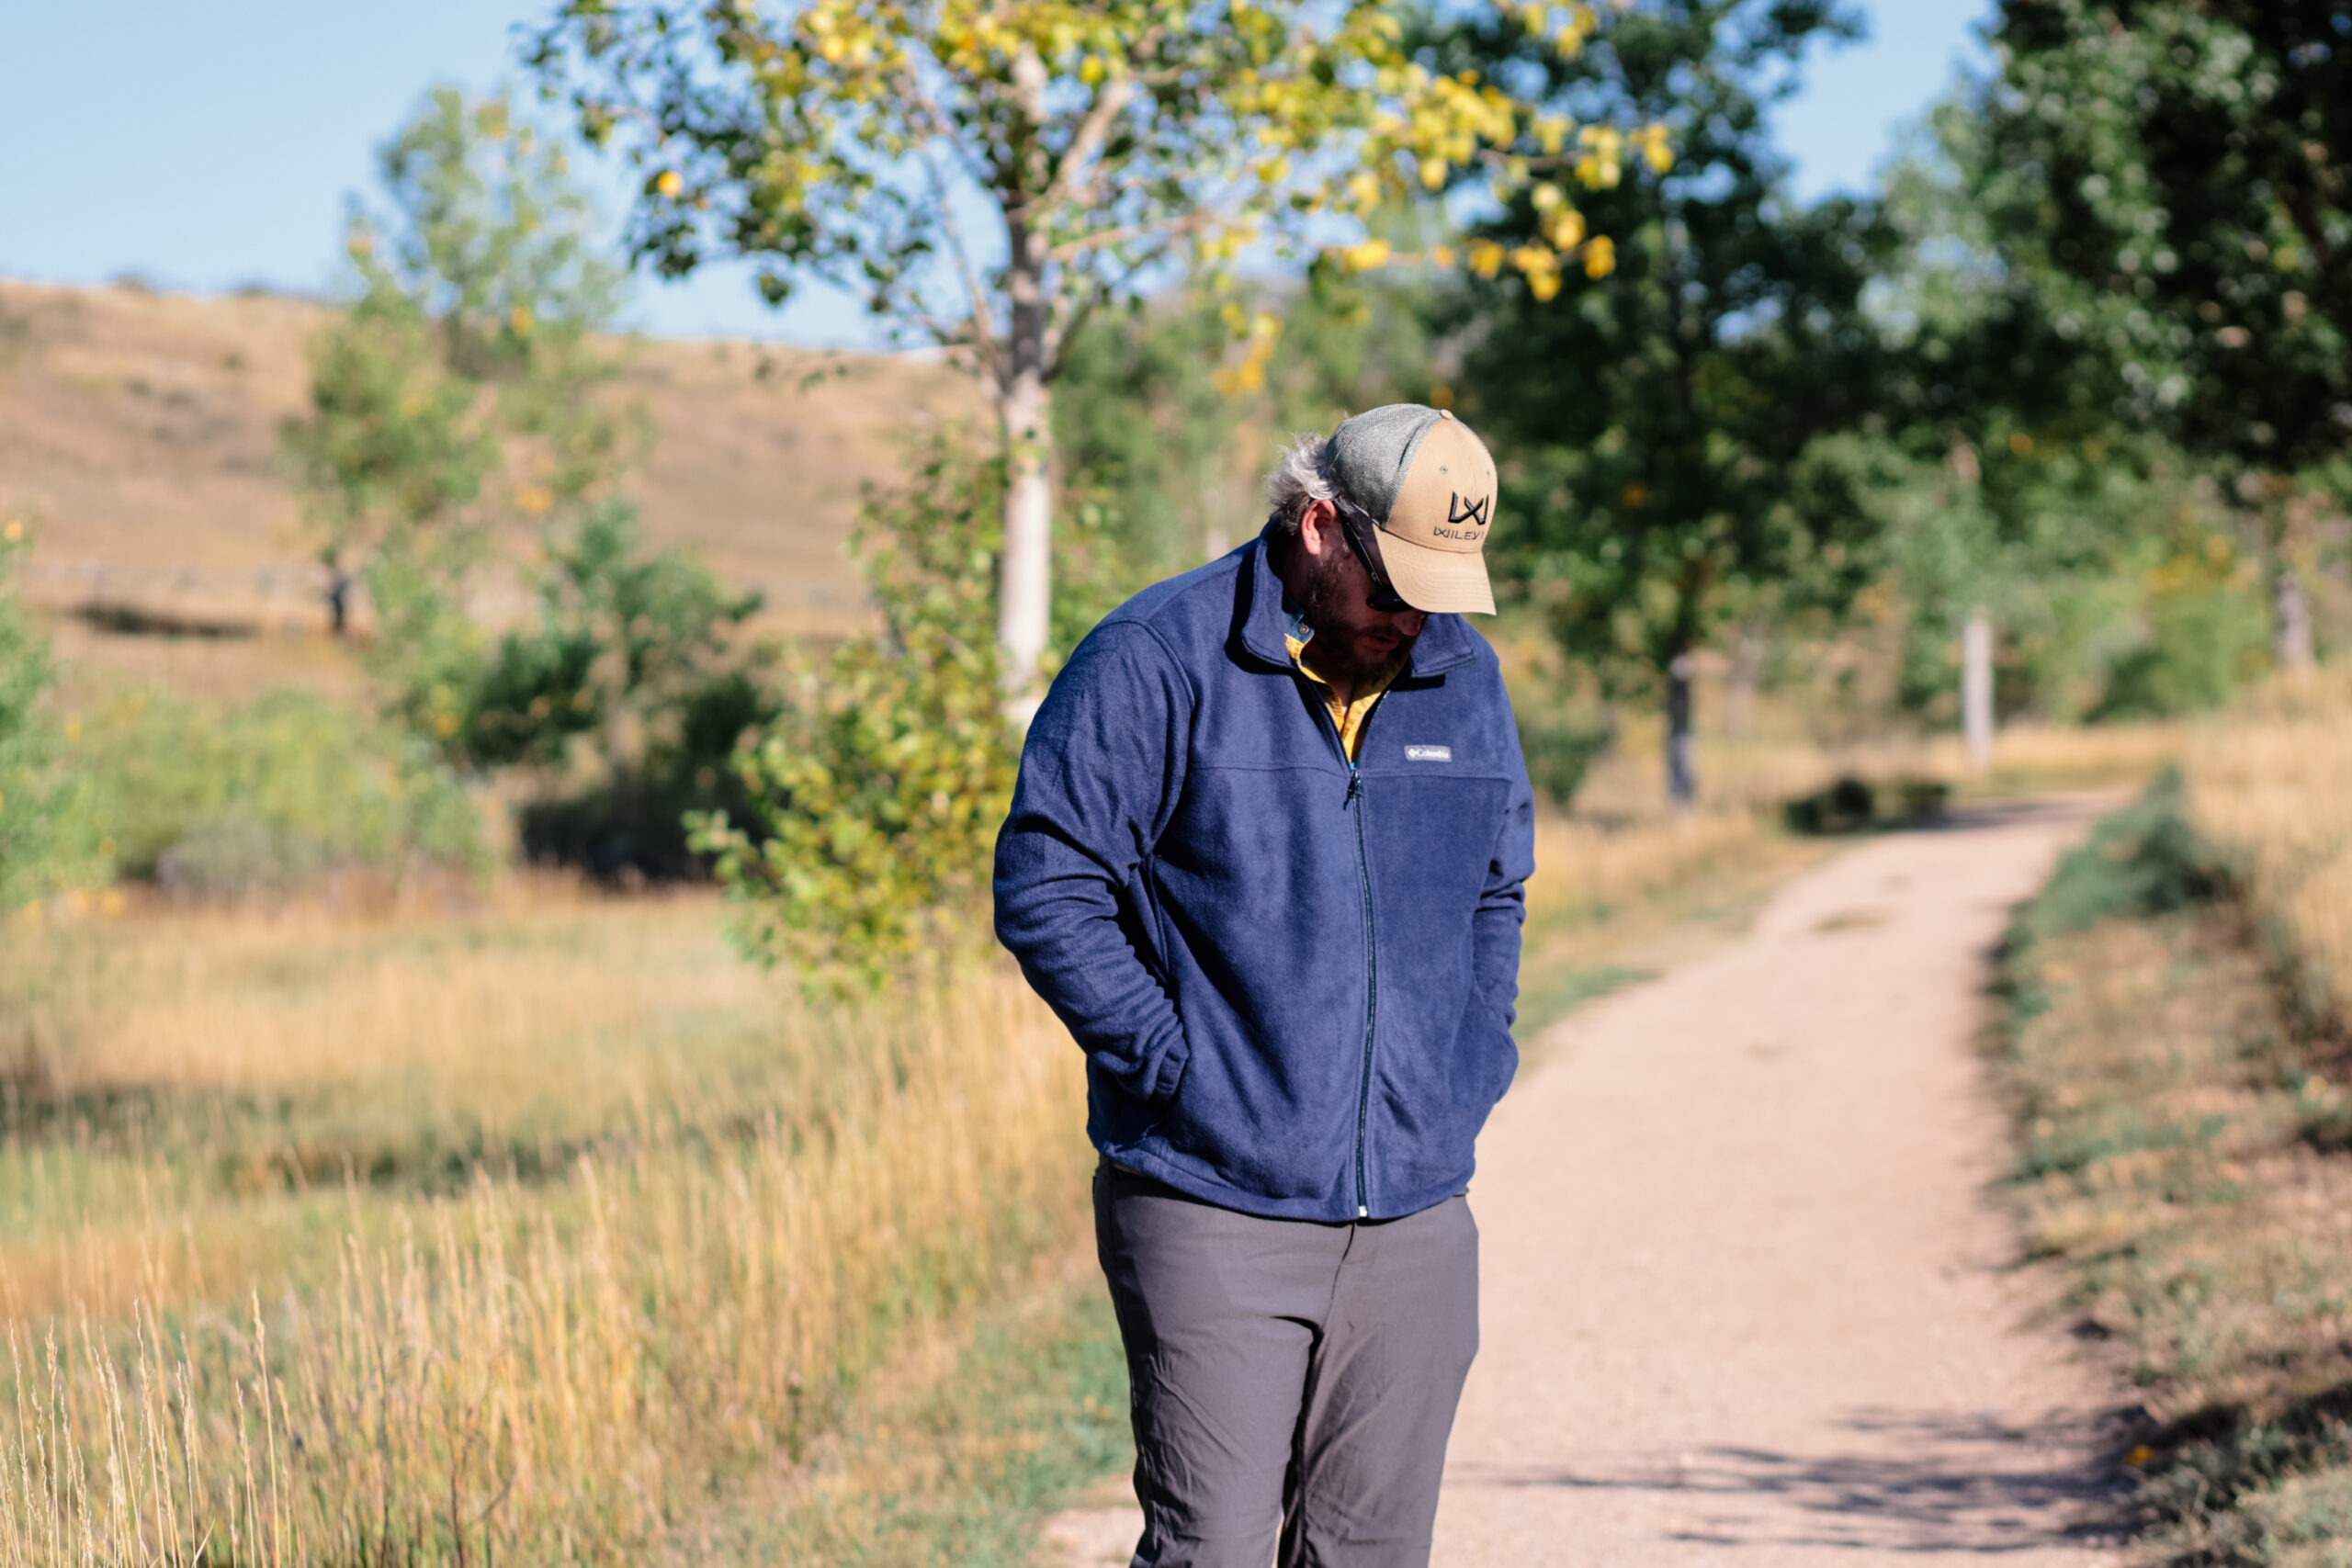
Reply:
x=1443, y=583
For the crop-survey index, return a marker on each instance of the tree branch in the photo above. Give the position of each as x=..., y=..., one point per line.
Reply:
x=1070, y=249
x=983, y=331
x=1069, y=179
x=1065, y=328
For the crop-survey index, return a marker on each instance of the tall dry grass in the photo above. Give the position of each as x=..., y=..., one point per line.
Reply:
x=1585, y=870
x=2268, y=786
x=550, y=1367
x=2178, y=1052
x=2184, y=1127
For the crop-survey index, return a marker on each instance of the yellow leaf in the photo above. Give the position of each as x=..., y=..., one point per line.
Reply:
x=1441, y=255
x=670, y=183
x=1655, y=151
x=1433, y=172
x=1600, y=256
x=1565, y=229
x=1602, y=162
x=1486, y=257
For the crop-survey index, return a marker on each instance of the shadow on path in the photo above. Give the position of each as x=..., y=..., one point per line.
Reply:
x=1927, y=1484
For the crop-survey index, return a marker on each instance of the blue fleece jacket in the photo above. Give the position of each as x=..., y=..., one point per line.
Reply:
x=1293, y=978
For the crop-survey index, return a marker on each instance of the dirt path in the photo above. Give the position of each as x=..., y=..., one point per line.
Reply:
x=1744, y=1299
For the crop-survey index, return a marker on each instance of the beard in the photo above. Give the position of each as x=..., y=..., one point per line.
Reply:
x=1332, y=596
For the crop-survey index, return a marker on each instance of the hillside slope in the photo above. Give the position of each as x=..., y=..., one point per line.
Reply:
x=139, y=433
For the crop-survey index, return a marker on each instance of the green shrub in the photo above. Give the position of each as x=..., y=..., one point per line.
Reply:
x=265, y=797
x=2207, y=633
x=876, y=797
x=2145, y=860
x=1852, y=804
x=38, y=852
x=1559, y=752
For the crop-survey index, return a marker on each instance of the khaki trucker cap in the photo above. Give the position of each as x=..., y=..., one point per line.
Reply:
x=1429, y=484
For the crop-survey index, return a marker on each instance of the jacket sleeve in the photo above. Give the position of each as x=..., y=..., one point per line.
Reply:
x=1101, y=770
x=1502, y=903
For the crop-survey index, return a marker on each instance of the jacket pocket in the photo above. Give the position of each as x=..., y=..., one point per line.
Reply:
x=1170, y=1080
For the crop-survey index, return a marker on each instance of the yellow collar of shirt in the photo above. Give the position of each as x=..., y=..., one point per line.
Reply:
x=1346, y=717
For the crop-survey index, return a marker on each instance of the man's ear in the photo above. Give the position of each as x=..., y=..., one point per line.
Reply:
x=1318, y=528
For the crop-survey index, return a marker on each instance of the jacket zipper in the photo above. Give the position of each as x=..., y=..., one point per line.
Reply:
x=1370, y=985
x=1354, y=803
x=1370, y=967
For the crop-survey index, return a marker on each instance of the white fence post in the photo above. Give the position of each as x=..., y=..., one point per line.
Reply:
x=1976, y=691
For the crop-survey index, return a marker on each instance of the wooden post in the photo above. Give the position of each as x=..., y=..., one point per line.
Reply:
x=1976, y=691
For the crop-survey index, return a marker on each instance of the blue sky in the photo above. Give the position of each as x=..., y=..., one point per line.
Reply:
x=208, y=146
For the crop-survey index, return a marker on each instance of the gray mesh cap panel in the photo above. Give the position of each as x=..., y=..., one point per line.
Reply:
x=1371, y=453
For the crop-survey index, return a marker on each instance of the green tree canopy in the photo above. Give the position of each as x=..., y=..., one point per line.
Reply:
x=2172, y=181
x=1662, y=425
x=459, y=390
x=465, y=432
x=987, y=175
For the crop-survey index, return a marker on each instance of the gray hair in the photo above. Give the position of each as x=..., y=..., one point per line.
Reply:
x=1302, y=477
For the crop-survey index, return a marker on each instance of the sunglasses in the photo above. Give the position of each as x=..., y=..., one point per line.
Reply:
x=1384, y=596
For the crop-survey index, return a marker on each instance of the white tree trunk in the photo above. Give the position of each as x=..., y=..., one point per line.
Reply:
x=1025, y=583
x=2291, y=634
x=1024, y=591
x=1976, y=691
x=1681, y=744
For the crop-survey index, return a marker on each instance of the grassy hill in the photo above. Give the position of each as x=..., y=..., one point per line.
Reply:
x=139, y=434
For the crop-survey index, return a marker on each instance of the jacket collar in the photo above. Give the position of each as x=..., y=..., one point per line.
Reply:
x=1446, y=641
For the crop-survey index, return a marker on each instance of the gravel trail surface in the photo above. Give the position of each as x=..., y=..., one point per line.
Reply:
x=1747, y=1300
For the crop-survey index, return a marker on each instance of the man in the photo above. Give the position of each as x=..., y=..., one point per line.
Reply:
x=1265, y=861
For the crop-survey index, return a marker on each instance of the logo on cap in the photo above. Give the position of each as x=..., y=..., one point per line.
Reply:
x=1474, y=513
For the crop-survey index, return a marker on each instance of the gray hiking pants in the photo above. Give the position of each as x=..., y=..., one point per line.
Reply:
x=1291, y=1379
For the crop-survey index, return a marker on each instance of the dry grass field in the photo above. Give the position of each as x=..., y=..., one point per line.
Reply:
x=2269, y=787
x=455, y=1239
x=1751, y=775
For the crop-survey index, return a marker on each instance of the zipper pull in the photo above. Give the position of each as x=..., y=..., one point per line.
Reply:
x=1354, y=779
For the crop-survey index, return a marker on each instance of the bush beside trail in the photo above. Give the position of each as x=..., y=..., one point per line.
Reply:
x=265, y=799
